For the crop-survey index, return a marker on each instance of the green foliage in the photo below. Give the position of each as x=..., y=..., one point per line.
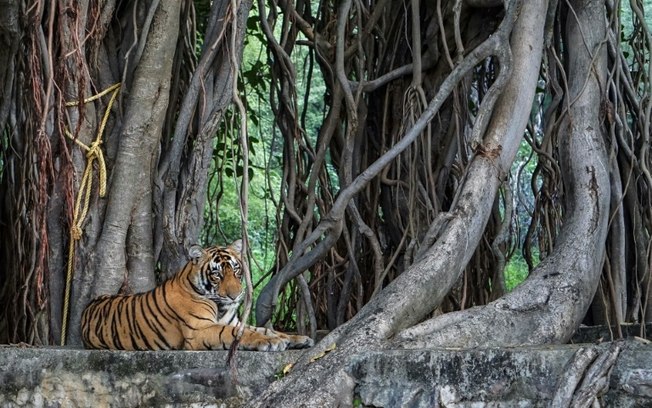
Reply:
x=222, y=211
x=515, y=272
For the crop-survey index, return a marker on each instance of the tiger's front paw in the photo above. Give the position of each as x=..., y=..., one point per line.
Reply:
x=300, y=342
x=270, y=344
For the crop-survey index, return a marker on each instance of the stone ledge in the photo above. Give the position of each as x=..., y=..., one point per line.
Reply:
x=36, y=376
x=500, y=377
x=506, y=377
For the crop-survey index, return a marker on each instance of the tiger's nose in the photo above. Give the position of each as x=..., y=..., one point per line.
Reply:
x=231, y=291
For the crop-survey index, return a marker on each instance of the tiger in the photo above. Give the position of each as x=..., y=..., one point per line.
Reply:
x=196, y=309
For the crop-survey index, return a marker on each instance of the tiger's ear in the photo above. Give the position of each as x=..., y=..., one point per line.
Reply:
x=236, y=246
x=195, y=252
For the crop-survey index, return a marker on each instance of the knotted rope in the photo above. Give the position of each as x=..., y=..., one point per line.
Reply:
x=82, y=203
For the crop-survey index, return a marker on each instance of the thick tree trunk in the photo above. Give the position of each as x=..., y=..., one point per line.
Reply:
x=10, y=32
x=552, y=302
x=130, y=181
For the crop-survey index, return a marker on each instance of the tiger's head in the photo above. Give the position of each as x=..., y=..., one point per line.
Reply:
x=218, y=273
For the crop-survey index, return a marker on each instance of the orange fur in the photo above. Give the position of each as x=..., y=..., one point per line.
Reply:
x=197, y=309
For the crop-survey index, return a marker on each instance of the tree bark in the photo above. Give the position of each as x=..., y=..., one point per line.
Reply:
x=552, y=302
x=132, y=172
x=10, y=32
x=9, y=43
x=182, y=175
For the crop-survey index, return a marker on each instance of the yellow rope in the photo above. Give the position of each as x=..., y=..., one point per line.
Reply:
x=82, y=203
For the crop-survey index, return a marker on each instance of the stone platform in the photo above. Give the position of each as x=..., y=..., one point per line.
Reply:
x=509, y=377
